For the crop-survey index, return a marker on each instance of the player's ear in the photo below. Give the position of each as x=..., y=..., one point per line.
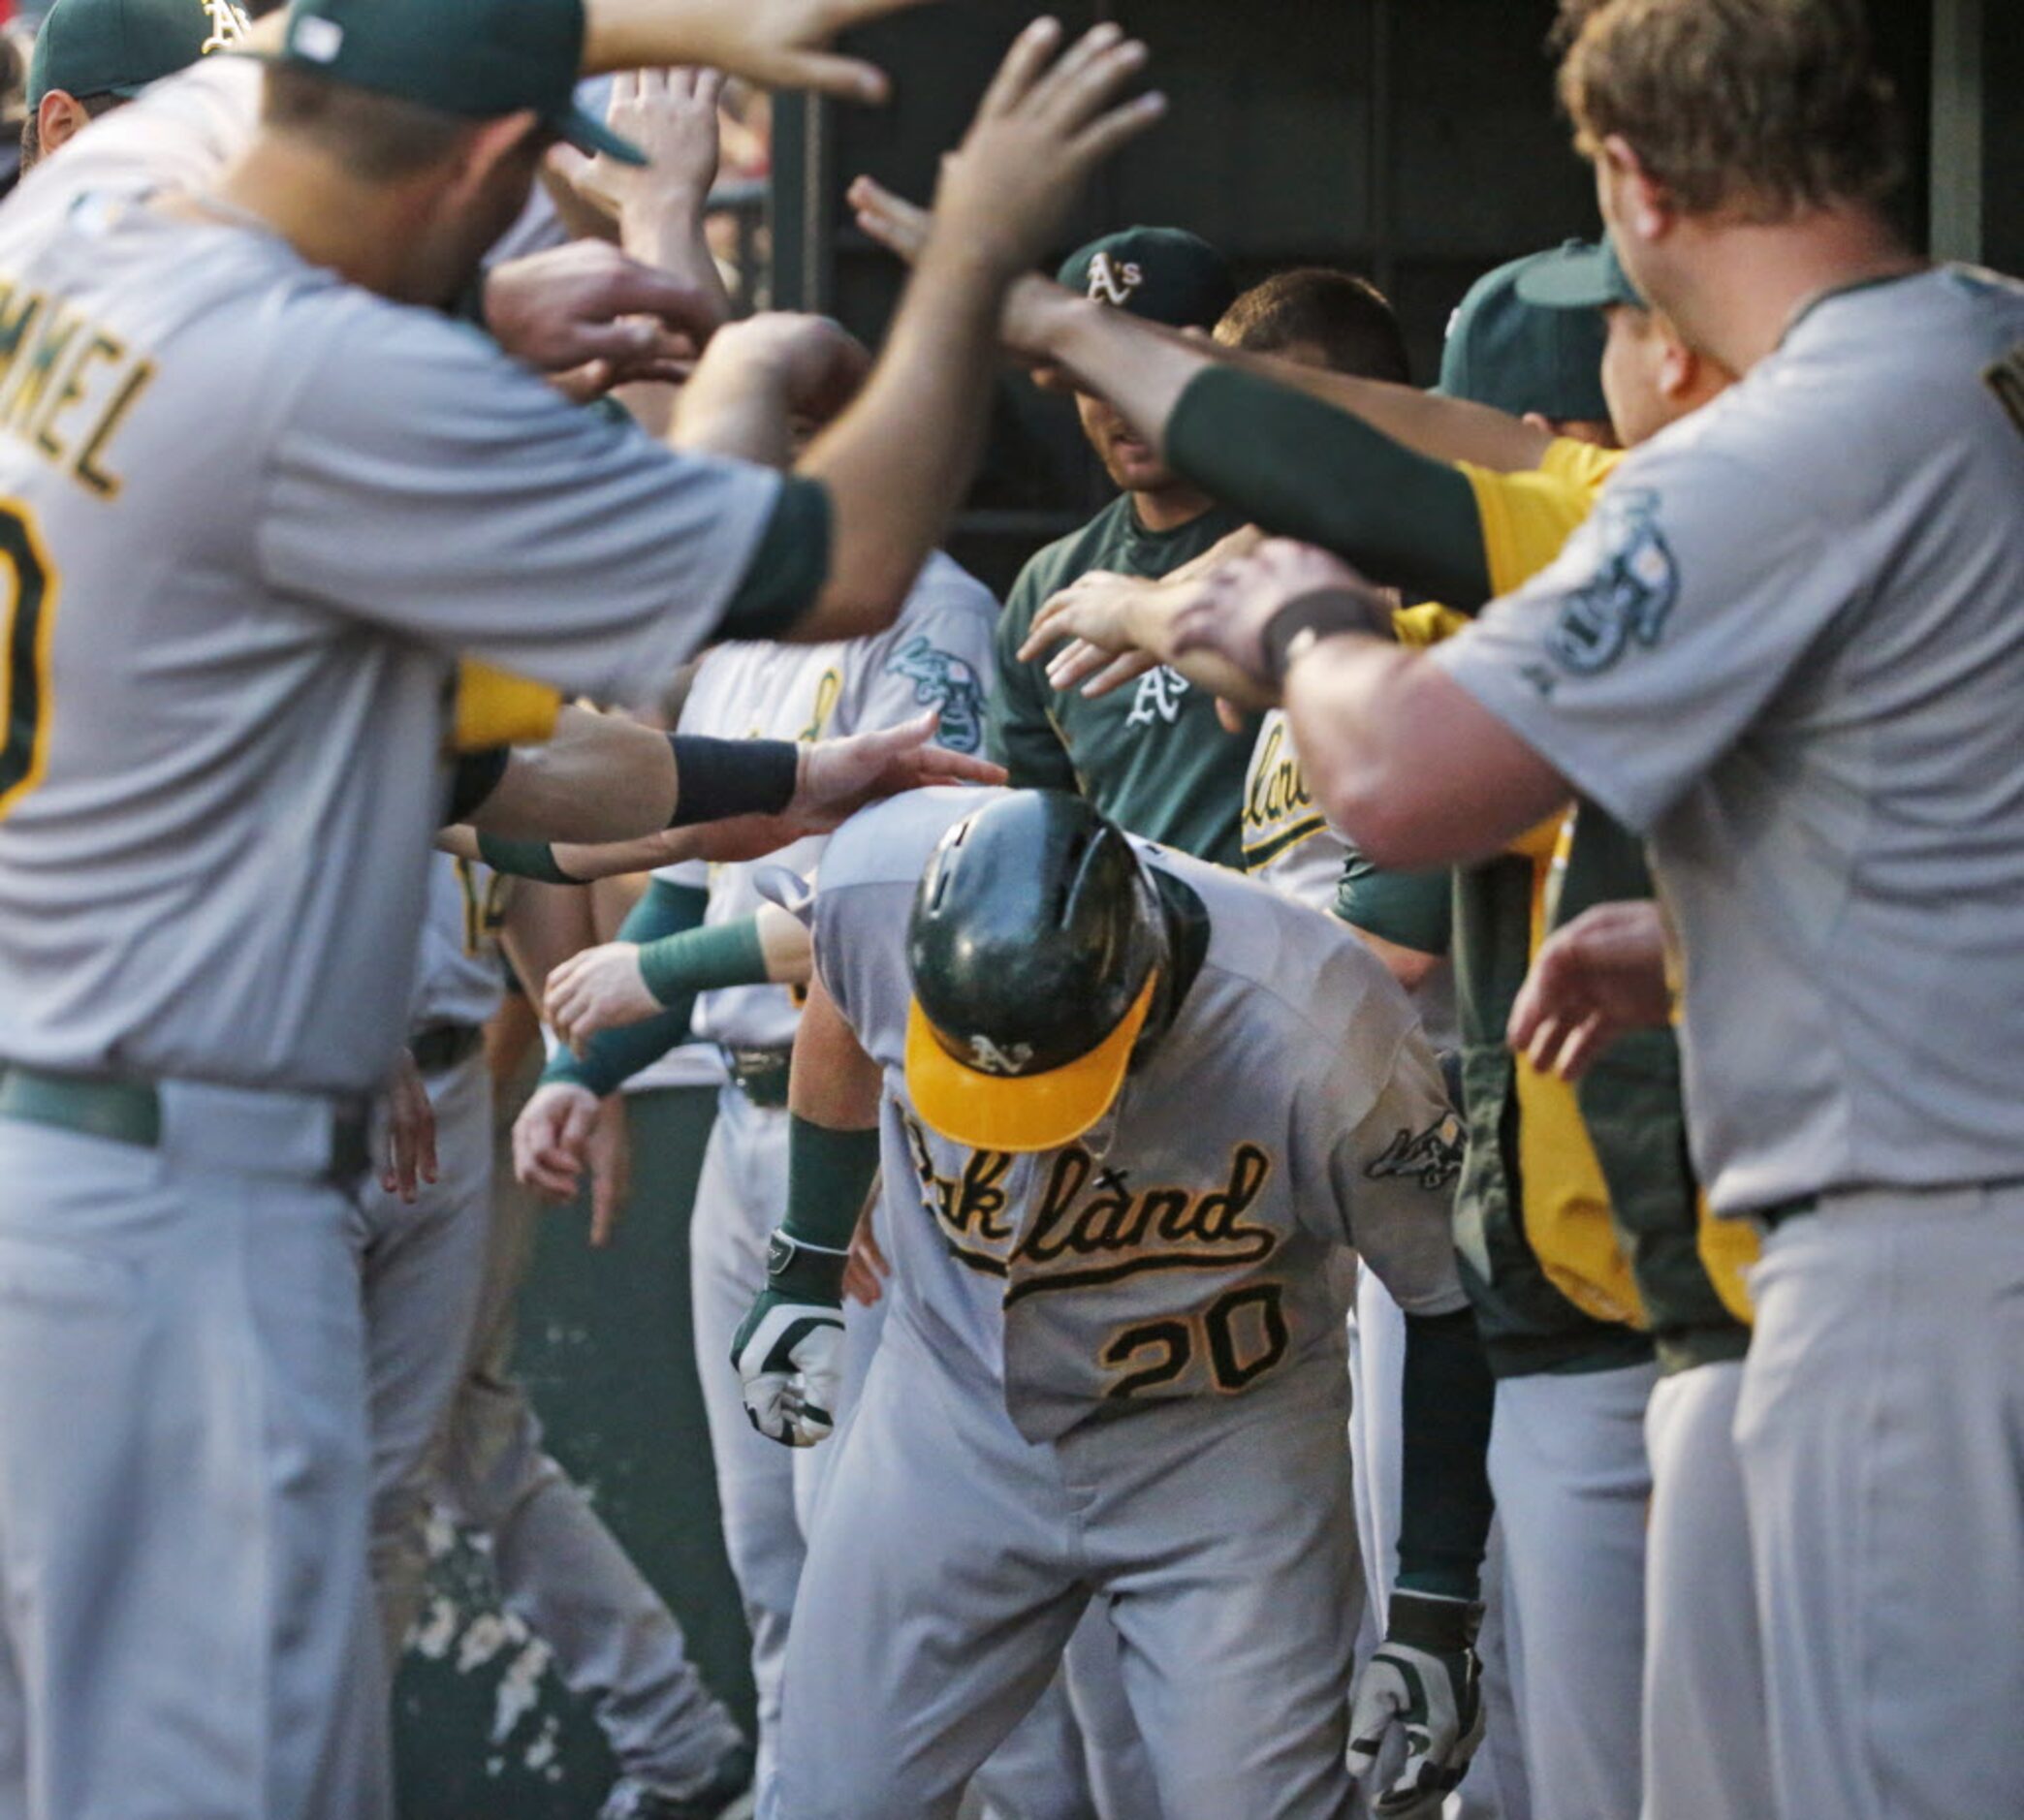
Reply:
x=1635, y=202
x=518, y=139
x=60, y=116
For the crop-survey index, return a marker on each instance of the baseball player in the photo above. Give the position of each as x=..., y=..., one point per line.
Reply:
x=937, y=656
x=451, y=1424
x=1154, y=758
x=1121, y=1131
x=1797, y=676
x=1573, y=1480
x=190, y=1015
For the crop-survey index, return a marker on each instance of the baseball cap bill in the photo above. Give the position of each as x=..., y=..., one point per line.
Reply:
x=1164, y=274
x=1506, y=350
x=89, y=47
x=476, y=58
x=1579, y=277
x=993, y=1109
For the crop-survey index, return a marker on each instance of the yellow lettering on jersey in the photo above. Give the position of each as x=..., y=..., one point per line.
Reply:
x=64, y=378
x=827, y=690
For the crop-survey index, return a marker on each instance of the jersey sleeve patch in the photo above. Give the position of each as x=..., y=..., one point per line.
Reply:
x=947, y=683
x=1634, y=586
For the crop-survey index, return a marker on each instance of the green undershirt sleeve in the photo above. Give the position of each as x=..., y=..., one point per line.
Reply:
x=1298, y=467
x=1446, y=1506
x=523, y=859
x=829, y=1178
x=703, y=959
x=1413, y=910
x=613, y=1058
x=789, y=566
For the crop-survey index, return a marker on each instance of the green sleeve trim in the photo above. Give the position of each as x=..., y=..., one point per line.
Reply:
x=702, y=960
x=523, y=859
x=829, y=1178
x=1413, y=910
x=612, y=1057
x=1446, y=1506
x=788, y=567
x=1300, y=468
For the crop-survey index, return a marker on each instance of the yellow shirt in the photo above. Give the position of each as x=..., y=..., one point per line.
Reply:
x=1527, y=517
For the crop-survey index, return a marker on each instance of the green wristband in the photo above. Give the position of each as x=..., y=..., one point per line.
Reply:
x=523, y=859
x=704, y=960
x=1444, y=1521
x=829, y=1177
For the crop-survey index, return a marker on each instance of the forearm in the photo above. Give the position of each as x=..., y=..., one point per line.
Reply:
x=1143, y=368
x=738, y=409
x=834, y=1084
x=1301, y=468
x=1407, y=764
x=1446, y=1504
x=898, y=463
x=600, y=778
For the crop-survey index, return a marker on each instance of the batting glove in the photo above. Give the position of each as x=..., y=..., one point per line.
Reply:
x=789, y=1349
x=1425, y=1676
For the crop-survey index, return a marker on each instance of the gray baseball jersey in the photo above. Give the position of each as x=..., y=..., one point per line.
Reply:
x=460, y=978
x=252, y=513
x=1181, y=1249
x=1789, y=647
x=939, y=655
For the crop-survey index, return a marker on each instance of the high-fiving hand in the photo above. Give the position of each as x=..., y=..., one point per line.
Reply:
x=777, y=43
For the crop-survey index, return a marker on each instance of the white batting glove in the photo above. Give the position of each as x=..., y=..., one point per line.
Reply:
x=789, y=1348
x=1425, y=1676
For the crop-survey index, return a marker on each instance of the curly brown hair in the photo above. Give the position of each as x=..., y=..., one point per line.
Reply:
x=1759, y=108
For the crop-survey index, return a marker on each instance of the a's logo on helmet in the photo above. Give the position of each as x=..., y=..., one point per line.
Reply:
x=988, y=1058
x=229, y=26
x=1113, y=283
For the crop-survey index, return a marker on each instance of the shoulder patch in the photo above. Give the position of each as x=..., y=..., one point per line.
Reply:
x=1635, y=583
x=1432, y=1157
x=947, y=683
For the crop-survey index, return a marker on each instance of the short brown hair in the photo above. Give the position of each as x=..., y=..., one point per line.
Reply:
x=380, y=137
x=1344, y=316
x=1757, y=108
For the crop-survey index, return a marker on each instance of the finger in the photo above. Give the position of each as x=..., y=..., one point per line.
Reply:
x=632, y=288
x=1022, y=67
x=708, y=88
x=1229, y=716
x=426, y=1148
x=1079, y=56
x=1579, y=1052
x=1119, y=128
x=1075, y=662
x=654, y=85
x=1126, y=669
x=824, y=73
x=604, y=1210
x=581, y=384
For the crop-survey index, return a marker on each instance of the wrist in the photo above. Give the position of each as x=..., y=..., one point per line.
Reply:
x=1310, y=620
x=1437, y=1624
x=717, y=779
x=802, y=1270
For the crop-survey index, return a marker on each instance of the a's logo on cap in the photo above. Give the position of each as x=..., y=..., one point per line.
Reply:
x=318, y=39
x=229, y=26
x=1113, y=283
x=988, y=1058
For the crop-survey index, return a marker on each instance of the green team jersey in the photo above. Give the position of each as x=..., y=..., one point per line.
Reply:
x=1152, y=757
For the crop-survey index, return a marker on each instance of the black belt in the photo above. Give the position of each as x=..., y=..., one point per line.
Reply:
x=443, y=1045
x=760, y=1074
x=1775, y=1215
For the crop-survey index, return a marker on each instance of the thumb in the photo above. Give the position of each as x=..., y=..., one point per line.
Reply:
x=637, y=290
x=1378, y=1698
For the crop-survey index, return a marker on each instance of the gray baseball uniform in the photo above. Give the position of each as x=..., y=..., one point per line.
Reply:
x=1798, y=671
x=937, y=655
x=251, y=514
x=450, y=1420
x=1117, y=1369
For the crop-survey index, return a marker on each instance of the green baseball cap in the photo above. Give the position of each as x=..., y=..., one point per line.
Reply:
x=118, y=47
x=1580, y=276
x=1164, y=274
x=1506, y=351
x=474, y=58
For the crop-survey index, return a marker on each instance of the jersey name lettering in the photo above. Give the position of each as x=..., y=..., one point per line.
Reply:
x=66, y=385
x=1089, y=1223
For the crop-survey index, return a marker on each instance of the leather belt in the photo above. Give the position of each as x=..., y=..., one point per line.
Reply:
x=760, y=1074
x=444, y=1045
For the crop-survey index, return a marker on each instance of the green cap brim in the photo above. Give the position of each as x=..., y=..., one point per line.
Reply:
x=1591, y=279
x=589, y=134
